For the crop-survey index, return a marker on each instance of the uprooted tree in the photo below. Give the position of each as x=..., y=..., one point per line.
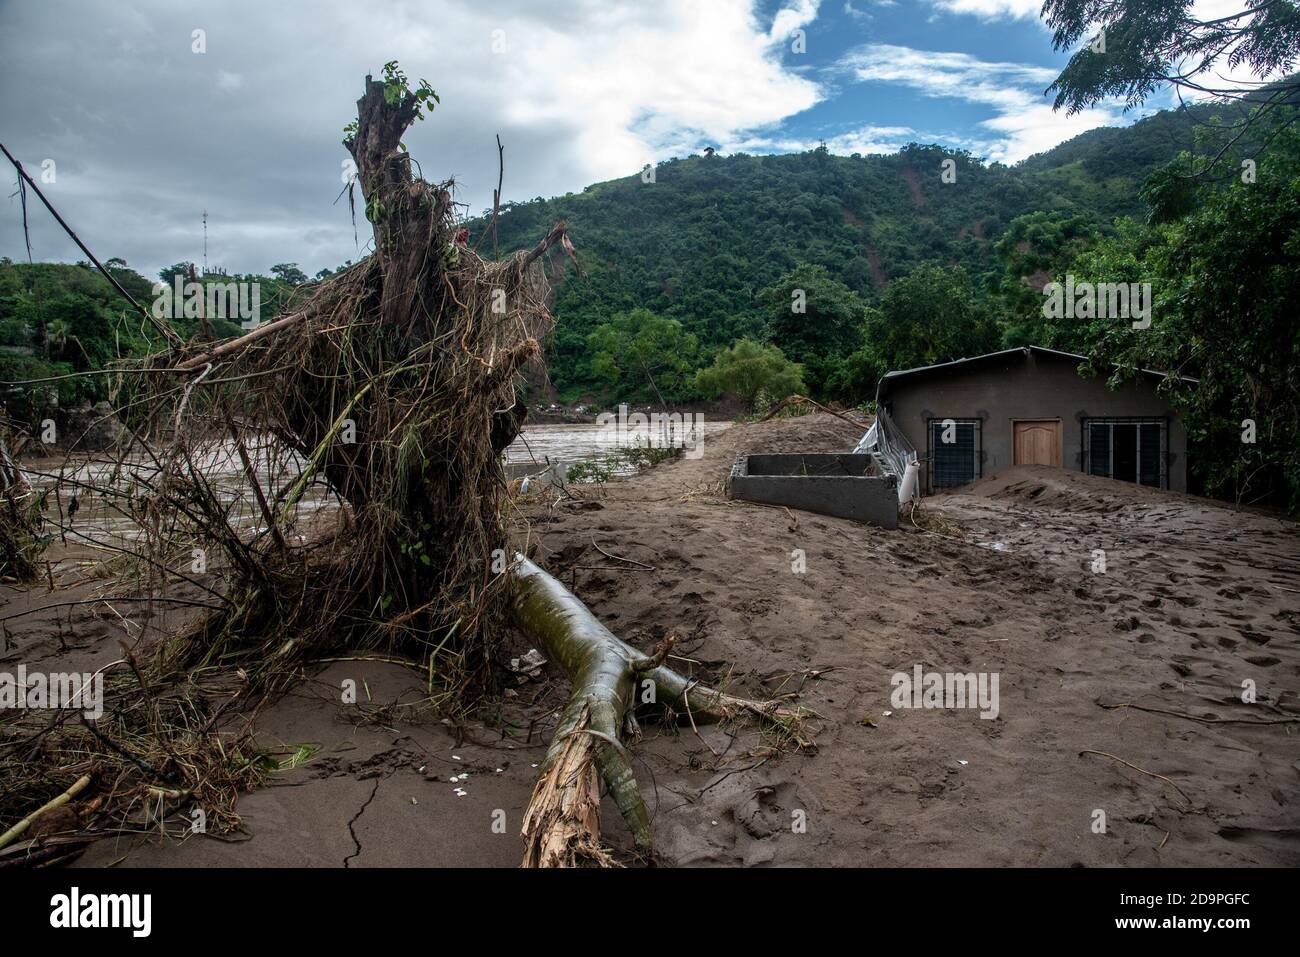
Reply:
x=389, y=392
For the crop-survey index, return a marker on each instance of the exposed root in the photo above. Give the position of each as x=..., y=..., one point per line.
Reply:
x=366, y=426
x=688, y=695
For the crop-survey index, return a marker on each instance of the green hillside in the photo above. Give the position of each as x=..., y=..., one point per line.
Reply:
x=701, y=242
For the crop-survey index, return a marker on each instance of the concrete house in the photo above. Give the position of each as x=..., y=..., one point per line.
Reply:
x=976, y=417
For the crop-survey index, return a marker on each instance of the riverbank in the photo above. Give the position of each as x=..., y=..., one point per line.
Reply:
x=721, y=410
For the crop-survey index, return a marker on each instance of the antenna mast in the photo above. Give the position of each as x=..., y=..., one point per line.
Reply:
x=205, y=242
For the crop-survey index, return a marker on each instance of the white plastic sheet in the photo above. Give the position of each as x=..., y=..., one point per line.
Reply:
x=886, y=443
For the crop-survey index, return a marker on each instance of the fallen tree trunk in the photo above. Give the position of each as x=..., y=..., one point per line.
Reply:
x=561, y=825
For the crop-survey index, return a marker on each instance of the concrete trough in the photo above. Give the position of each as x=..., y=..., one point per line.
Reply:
x=827, y=483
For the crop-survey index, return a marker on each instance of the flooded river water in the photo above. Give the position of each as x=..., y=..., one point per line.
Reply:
x=113, y=517
x=541, y=445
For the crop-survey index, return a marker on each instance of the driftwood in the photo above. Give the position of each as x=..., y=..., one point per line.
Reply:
x=561, y=825
x=21, y=827
x=797, y=399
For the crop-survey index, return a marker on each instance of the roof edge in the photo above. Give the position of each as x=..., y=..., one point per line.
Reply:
x=894, y=374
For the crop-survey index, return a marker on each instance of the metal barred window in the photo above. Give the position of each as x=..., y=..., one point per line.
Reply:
x=957, y=461
x=1127, y=449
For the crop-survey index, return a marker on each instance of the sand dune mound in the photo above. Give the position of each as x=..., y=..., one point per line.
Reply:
x=1067, y=491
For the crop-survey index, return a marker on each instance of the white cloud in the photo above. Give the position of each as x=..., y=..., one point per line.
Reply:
x=229, y=81
x=585, y=90
x=1035, y=129
x=791, y=18
x=873, y=139
x=992, y=9
x=866, y=14
x=865, y=141
x=1024, y=122
x=1222, y=73
x=691, y=75
x=883, y=61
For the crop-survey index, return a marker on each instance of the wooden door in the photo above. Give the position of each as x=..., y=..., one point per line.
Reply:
x=1038, y=443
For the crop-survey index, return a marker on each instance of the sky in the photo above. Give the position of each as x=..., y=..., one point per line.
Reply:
x=144, y=114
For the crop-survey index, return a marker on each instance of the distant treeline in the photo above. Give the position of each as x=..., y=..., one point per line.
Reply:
x=60, y=318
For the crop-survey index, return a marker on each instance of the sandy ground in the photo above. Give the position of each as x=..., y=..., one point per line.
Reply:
x=1195, y=599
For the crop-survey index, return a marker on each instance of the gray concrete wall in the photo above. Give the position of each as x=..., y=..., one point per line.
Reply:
x=829, y=484
x=811, y=463
x=1017, y=387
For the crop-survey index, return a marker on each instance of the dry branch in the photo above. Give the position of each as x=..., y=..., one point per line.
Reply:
x=18, y=829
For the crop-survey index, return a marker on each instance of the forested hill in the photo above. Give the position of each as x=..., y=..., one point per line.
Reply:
x=701, y=241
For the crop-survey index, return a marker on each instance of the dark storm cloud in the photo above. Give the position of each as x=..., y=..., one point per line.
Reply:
x=146, y=134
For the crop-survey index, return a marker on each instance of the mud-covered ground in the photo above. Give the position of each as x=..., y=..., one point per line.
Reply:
x=1100, y=673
